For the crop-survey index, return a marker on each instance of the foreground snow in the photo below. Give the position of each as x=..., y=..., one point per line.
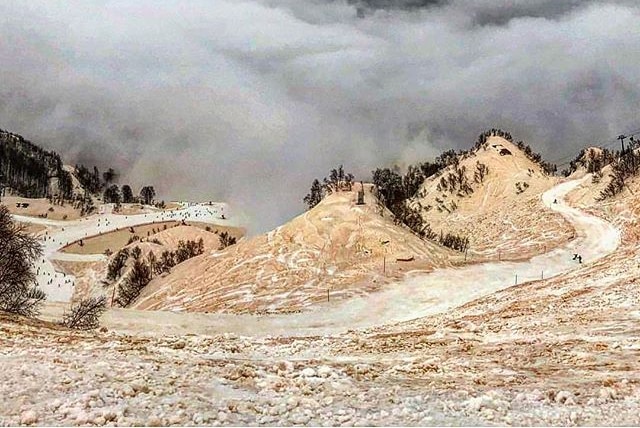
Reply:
x=56, y=377
x=563, y=351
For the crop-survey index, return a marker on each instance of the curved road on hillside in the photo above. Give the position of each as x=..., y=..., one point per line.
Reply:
x=415, y=297
x=59, y=287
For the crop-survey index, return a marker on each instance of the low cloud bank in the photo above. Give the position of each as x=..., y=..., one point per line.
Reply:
x=248, y=101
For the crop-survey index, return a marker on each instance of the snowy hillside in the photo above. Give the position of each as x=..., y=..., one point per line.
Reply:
x=338, y=247
x=499, y=209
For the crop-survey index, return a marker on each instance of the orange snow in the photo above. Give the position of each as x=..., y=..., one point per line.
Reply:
x=337, y=247
x=577, y=331
x=90, y=277
x=174, y=232
x=336, y=250
x=498, y=219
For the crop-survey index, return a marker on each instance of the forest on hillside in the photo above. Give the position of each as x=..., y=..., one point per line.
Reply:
x=395, y=190
x=28, y=169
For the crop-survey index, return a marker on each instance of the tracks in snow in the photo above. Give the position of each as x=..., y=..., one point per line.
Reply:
x=417, y=296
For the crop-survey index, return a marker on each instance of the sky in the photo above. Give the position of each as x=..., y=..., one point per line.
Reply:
x=249, y=101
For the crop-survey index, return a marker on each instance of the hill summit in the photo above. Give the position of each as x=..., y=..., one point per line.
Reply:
x=337, y=247
x=491, y=195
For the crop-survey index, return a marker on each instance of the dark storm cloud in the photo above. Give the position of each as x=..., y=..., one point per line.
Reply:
x=490, y=12
x=398, y=4
x=248, y=101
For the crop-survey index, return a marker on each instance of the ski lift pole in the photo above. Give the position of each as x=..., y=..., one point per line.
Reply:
x=384, y=256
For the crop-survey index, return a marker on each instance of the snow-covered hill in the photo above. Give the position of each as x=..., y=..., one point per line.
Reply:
x=500, y=210
x=338, y=247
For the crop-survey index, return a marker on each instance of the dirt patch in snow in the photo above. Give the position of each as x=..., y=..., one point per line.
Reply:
x=118, y=239
x=40, y=208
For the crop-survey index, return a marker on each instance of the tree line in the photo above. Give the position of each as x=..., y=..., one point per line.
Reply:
x=395, y=190
x=114, y=195
x=143, y=269
x=626, y=164
x=95, y=183
x=337, y=181
x=592, y=160
x=535, y=157
x=28, y=169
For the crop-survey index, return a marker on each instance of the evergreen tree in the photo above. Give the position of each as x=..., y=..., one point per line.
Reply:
x=147, y=194
x=136, y=252
x=27, y=169
x=152, y=260
x=117, y=264
x=315, y=195
x=95, y=180
x=127, y=194
x=167, y=259
x=112, y=195
x=65, y=185
x=109, y=176
x=389, y=186
x=90, y=181
x=87, y=206
x=226, y=240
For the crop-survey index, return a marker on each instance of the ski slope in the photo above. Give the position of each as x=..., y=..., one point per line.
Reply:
x=58, y=286
x=415, y=297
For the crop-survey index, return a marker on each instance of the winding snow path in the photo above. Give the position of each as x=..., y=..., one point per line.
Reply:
x=58, y=286
x=415, y=297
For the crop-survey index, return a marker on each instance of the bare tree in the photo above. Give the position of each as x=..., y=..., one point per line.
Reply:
x=19, y=293
x=86, y=314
